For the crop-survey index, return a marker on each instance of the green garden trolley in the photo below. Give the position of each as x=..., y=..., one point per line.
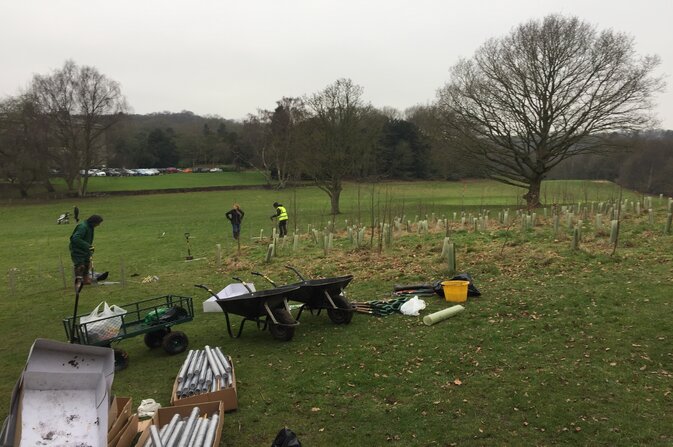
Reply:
x=153, y=317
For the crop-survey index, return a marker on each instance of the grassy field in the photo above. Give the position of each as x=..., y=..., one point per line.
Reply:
x=564, y=347
x=140, y=183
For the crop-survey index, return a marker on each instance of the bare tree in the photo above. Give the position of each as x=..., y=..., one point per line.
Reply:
x=335, y=137
x=255, y=141
x=24, y=136
x=82, y=105
x=285, y=122
x=547, y=91
x=274, y=137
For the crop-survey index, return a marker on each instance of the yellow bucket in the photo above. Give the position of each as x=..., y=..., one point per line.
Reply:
x=455, y=291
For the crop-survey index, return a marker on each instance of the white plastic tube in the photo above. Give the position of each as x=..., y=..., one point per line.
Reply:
x=183, y=371
x=214, y=363
x=442, y=315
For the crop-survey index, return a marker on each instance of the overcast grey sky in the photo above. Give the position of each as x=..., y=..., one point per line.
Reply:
x=232, y=58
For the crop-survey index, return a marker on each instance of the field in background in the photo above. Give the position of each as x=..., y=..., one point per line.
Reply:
x=564, y=347
x=140, y=183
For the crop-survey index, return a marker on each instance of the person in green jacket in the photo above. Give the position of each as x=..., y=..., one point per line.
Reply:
x=281, y=214
x=81, y=248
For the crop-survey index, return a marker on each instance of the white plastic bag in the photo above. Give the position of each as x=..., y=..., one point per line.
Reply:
x=147, y=408
x=103, y=323
x=412, y=306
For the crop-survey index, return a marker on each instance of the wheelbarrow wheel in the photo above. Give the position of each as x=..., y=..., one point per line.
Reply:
x=340, y=316
x=155, y=338
x=282, y=333
x=121, y=359
x=175, y=342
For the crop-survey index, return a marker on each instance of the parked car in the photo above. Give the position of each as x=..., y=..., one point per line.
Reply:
x=113, y=172
x=172, y=170
x=147, y=171
x=93, y=172
x=215, y=170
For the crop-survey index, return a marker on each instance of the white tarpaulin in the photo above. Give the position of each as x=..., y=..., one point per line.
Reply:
x=234, y=289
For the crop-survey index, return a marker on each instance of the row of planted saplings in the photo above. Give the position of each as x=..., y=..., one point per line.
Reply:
x=356, y=233
x=194, y=431
x=204, y=371
x=585, y=209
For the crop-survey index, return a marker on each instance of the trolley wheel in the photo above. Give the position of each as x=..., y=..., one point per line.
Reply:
x=121, y=359
x=282, y=333
x=175, y=342
x=153, y=339
x=340, y=316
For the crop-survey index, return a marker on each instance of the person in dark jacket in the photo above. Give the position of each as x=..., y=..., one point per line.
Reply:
x=76, y=213
x=281, y=214
x=235, y=216
x=81, y=248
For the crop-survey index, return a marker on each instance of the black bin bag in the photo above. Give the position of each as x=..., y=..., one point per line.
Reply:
x=286, y=438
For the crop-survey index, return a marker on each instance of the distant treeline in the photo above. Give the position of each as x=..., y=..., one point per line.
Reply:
x=405, y=148
x=641, y=162
x=409, y=149
x=409, y=146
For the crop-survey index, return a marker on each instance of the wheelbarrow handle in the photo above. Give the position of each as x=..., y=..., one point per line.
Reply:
x=207, y=289
x=265, y=277
x=242, y=282
x=296, y=271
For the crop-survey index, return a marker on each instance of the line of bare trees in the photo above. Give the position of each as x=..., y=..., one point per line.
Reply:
x=520, y=109
x=331, y=136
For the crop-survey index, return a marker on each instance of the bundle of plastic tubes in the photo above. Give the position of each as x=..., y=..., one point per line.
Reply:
x=204, y=371
x=194, y=431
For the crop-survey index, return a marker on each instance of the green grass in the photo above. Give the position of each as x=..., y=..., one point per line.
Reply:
x=141, y=183
x=563, y=348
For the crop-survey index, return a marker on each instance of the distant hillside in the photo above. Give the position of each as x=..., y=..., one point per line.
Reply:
x=164, y=139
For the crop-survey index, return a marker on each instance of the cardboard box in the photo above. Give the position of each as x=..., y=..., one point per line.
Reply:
x=164, y=415
x=112, y=413
x=144, y=425
x=126, y=435
x=228, y=396
x=57, y=409
x=54, y=357
x=123, y=410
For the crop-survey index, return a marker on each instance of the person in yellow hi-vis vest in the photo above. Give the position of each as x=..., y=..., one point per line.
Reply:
x=281, y=214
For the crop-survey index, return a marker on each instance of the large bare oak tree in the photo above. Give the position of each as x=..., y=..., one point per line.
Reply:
x=547, y=91
x=336, y=142
x=82, y=105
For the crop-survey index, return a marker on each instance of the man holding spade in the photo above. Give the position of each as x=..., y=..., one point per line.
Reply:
x=81, y=248
x=281, y=214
